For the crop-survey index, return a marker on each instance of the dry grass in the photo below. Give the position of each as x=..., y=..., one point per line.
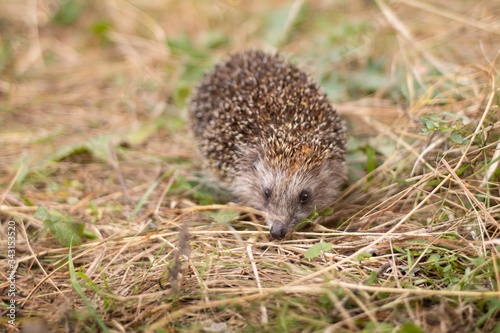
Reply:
x=92, y=118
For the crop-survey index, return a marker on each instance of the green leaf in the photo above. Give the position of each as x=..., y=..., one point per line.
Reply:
x=174, y=124
x=434, y=258
x=371, y=279
x=363, y=256
x=41, y=213
x=146, y=130
x=181, y=184
x=214, y=39
x=371, y=161
x=63, y=227
x=68, y=12
x=410, y=328
x=68, y=151
x=193, y=71
x=372, y=327
x=307, y=220
x=462, y=118
x=96, y=147
x=456, y=137
x=101, y=30
x=181, y=94
x=424, y=131
x=182, y=44
x=224, y=216
x=316, y=249
x=326, y=212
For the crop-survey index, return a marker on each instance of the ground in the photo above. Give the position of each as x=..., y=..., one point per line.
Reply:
x=108, y=222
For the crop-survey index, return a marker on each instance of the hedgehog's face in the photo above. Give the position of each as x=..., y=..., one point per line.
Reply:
x=287, y=194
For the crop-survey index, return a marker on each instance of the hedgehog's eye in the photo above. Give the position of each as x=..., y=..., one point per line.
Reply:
x=304, y=197
x=267, y=193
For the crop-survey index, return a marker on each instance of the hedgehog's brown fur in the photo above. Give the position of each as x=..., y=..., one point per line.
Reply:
x=263, y=126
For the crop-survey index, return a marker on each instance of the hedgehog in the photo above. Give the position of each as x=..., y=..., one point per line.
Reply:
x=269, y=134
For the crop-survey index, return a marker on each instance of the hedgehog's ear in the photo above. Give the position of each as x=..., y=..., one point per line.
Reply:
x=335, y=164
x=250, y=156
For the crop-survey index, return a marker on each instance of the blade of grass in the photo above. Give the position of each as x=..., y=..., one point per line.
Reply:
x=78, y=288
x=148, y=192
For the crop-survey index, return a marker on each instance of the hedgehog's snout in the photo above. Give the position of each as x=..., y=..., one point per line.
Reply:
x=279, y=228
x=278, y=231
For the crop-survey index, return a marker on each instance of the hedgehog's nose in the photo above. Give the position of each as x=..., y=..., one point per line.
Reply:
x=278, y=231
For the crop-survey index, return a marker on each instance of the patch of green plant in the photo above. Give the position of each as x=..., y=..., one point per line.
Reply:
x=23, y=175
x=99, y=146
x=326, y=302
x=363, y=256
x=203, y=193
x=182, y=184
x=443, y=268
x=371, y=161
x=148, y=192
x=316, y=249
x=91, y=285
x=325, y=212
x=71, y=150
x=183, y=45
x=491, y=309
x=477, y=272
x=101, y=29
x=441, y=122
x=146, y=130
x=214, y=39
x=371, y=327
x=223, y=216
x=68, y=12
x=372, y=279
x=409, y=327
x=286, y=314
x=275, y=20
x=168, y=330
x=351, y=33
x=26, y=200
x=196, y=61
x=343, y=41
x=369, y=78
x=333, y=86
x=181, y=93
x=66, y=229
x=191, y=72
x=97, y=211
x=79, y=290
x=175, y=123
